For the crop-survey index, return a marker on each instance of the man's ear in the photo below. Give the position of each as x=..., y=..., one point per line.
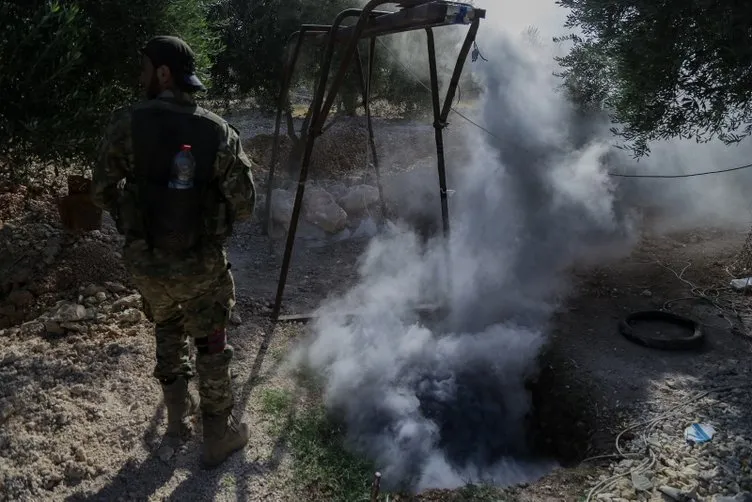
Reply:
x=164, y=75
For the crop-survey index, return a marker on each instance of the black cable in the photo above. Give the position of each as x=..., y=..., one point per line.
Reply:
x=671, y=176
x=614, y=175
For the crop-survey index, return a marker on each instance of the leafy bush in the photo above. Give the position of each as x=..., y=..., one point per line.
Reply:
x=255, y=36
x=66, y=65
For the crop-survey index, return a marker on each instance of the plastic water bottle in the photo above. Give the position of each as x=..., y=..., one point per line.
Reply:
x=183, y=169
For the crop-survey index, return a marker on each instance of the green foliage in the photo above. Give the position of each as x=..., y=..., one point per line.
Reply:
x=65, y=66
x=663, y=68
x=255, y=37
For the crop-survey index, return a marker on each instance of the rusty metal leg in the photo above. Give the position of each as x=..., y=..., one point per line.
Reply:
x=438, y=125
x=369, y=118
x=457, y=74
x=314, y=130
x=365, y=79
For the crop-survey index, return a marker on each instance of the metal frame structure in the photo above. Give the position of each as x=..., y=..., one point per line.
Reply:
x=371, y=24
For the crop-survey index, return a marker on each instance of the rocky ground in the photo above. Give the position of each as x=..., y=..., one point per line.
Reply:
x=81, y=416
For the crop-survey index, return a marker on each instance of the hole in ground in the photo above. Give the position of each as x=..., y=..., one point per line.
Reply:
x=565, y=424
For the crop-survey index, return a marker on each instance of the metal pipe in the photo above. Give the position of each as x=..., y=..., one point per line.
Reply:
x=457, y=74
x=438, y=125
x=376, y=166
x=422, y=14
x=287, y=72
x=366, y=79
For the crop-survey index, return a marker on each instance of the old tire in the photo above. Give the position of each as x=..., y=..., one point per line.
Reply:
x=692, y=342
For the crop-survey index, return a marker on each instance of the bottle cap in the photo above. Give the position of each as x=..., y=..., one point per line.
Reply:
x=185, y=148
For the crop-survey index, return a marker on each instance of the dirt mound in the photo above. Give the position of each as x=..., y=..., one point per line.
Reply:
x=337, y=153
x=40, y=263
x=68, y=323
x=59, y=423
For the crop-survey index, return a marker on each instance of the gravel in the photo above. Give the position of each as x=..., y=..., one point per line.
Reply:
x=658, y=461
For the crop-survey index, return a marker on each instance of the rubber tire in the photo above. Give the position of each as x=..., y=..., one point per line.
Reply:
x=689, y=343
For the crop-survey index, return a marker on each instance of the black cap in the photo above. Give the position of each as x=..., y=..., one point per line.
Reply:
x=178, y=57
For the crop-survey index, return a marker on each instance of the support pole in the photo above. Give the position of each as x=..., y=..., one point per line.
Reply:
x=458, y=67
x=366, y=79
x=313, y=132
x=438, y=125
x=288, y=71
x=282, y=102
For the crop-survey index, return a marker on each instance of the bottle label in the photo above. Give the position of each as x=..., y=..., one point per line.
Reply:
x=182, y=171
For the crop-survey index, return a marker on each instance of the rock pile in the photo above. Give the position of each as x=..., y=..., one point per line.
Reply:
x=98, y=308
x=40, y=263
x=669, y=467
x=330, y=213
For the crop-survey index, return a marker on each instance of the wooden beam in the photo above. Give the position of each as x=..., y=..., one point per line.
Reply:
x=421, y=310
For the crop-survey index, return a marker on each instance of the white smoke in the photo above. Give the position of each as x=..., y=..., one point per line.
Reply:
x=443, y=405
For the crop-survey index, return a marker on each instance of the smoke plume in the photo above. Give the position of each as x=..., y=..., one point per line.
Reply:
x=444, y=404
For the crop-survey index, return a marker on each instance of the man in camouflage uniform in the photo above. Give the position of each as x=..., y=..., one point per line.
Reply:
x=188, y=293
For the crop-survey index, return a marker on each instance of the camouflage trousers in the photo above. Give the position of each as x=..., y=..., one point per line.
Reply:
x=195, y=307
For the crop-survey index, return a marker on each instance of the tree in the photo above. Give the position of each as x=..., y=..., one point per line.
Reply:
x=663, y=68
x=64, y=67
x=255, y=35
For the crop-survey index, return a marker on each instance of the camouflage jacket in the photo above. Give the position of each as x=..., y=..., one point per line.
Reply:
x=113, y=193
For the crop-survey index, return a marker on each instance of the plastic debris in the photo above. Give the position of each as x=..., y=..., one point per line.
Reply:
x=699, y=433
x=640, y=482
x=742, y=284
x=677, y=494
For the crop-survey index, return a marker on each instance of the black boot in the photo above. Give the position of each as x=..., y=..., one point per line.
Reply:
x=223, y=436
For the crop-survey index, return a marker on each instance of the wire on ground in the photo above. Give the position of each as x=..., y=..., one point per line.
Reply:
x=648, y=426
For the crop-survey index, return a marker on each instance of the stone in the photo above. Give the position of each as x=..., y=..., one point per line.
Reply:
x=165, y=453
x=127, y=302
x=130, y=316
x=33, y=328
x=100, y=297
x=309, y=232
x=69, y=312
x=742, y=497
x=359, y=198
x=322, y=210
x=366, y=229
x=74, y=327
x=338, y=190
x=92, y=290
x=115, y=287
x=54, y=328
x=75, y=471
x=21, y=298
x=342, y=235
x=282, y=206
x=236, y=319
